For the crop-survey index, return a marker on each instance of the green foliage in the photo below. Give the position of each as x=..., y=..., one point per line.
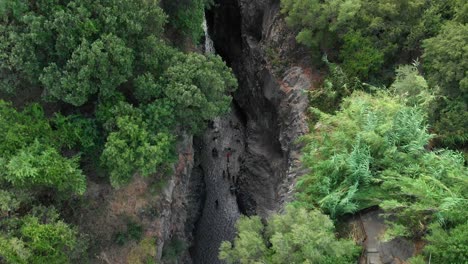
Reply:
x=372, y=152
x=132, y=147
x=448, y=246
x=249, y=245
x=187, y=16
x=446, y=63
x=450, y=120
x=98, y=67
x=173, y=249
x=360, y=57
x=336, y=86
x=312, y=18
x=446, y=59
x=133, y=231
x=370, y=36
x=8, y=202
x=13, y=251
x=92, y=53
x=30, y=154
x=20, y=129
x=298, y=236
x=144, y=253
x=417, y=260
x=39, y=165
x=197, y=85
x=48, y=242
x=39, y=237
x=77, y=49
x=75, y=131
x=411, y=88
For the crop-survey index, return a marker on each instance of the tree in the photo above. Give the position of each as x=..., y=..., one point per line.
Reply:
x=312, y=18
x=13, y=251
x=187, y=16
x=360, y=57
x=298, y=236
x=446, y=59
x=131, y=147
x=99, y=67
x=77, y=49
x=43, y=166
x=411, y=88
x=20, y=129
x=102, y=53
x=39, y=237
x=30, y=153
x=198, y=85
x=370, y=37
x=48, y=242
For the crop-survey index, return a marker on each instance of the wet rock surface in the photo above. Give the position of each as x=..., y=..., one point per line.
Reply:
x=378, y=251
x=220, y=151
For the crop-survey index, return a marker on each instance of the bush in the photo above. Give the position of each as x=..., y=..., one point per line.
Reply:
x=360, y=57
x=173, y=250
x=370, y=37
x=448, y=246
x=372, y=152
x=446, y=63
x=144, y=252
x=298, y=236
x=30, y=152
x=43, y=166
x=133, y=231
x=336, y=86
x=39, y=237
x=187, y=16
x=50, y=242
x=132, y=148
x=198, y=87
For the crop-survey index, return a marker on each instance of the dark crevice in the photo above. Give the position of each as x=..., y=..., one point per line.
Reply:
x=197, y=198
x=239, y=112
x=225, y=16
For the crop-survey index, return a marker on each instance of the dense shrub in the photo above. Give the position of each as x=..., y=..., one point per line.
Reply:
x=40, y=237
x=298, y=236
x=446, y=62
x=372, y=152
x=30, y=152
x=448, y=246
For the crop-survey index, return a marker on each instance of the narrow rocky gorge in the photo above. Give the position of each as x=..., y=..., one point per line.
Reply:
x=247, y=160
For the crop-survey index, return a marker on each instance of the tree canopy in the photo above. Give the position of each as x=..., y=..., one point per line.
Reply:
x=95, y=85
x=298, y=236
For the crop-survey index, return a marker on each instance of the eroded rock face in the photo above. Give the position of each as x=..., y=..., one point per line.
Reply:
x=274, y=103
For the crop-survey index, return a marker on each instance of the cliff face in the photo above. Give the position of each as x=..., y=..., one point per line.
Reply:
x=273, y=103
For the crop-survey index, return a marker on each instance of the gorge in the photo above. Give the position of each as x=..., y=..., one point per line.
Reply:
x=247, y=160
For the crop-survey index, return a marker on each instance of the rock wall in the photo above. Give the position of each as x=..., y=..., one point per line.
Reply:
x=273, y=103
